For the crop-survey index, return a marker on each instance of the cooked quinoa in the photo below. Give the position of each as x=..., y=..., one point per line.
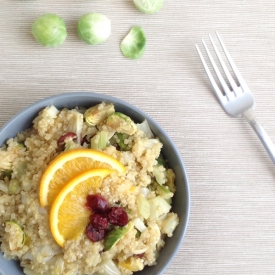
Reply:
x=24, y=224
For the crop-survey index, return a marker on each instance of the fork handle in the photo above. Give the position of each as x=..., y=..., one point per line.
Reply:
x=261, y=133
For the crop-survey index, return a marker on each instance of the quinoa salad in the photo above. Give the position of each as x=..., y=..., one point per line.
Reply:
x=127, y=211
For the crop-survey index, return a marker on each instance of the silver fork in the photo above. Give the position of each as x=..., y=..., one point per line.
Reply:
x=236, y=99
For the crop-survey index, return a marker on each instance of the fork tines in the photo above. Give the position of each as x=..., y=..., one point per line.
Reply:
x=234, y=87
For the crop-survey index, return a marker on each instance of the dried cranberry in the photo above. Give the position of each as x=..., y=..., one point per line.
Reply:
x=69, y=135
x=118, y=216
x=85, y=139
x=97, y=203
x=94, y=234
x=99, y=221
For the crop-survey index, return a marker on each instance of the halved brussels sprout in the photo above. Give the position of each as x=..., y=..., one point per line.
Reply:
x=16, y=235
x=121, y=123
x=98, y=113
x=133, y=45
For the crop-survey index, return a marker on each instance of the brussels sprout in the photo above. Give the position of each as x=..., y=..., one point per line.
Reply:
x=49, y=30
x=133, y=45
x=16, y=235
x=94, y=28
x=121, y=123
x=14, y=186
x=115, y=235
x=148, y=6
x=98, y=113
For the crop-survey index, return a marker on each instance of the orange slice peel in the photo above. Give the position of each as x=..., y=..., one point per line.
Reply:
x=68, y=215
x=68, y=165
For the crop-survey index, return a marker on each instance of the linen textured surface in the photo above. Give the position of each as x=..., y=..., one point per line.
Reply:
x=232, y=180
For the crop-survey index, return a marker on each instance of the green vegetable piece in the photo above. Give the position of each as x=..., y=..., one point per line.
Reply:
x=133, y=45
x=138, y=234
x=94, y=28
x=100, y=140
x=7, y=173
x=161, y=161
x=121, y=144
x=21, y=169
x=148, y=6
x=49, y=30
x=121, y=123
x=98, y=113
x=170, y=175
x=162, y=190
x=14, y=187
x=16, y=235
x=115, y=235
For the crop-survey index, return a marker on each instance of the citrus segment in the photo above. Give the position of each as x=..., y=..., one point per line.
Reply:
x=69, y=164
x=68, y=215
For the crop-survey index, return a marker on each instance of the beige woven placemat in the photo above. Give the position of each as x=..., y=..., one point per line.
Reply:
x=232, y=180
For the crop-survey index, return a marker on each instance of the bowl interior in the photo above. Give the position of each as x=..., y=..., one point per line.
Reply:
x=181, y=200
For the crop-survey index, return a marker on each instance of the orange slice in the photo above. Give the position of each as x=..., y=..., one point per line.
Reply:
x=68, y=215
x=69, y=164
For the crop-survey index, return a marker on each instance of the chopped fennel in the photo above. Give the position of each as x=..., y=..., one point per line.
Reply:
x=139, y=224
x=108, y=267
x=170, y=223
x=3, y=186
x=76, y=124
x=159, y=173
x=145, y=128
x=100, y=140
x=143, y=207
x=158, y=207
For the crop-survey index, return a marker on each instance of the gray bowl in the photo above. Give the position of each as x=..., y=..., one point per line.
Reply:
x=181, y=200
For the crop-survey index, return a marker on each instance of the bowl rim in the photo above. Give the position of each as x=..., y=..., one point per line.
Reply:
x=39, y=104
